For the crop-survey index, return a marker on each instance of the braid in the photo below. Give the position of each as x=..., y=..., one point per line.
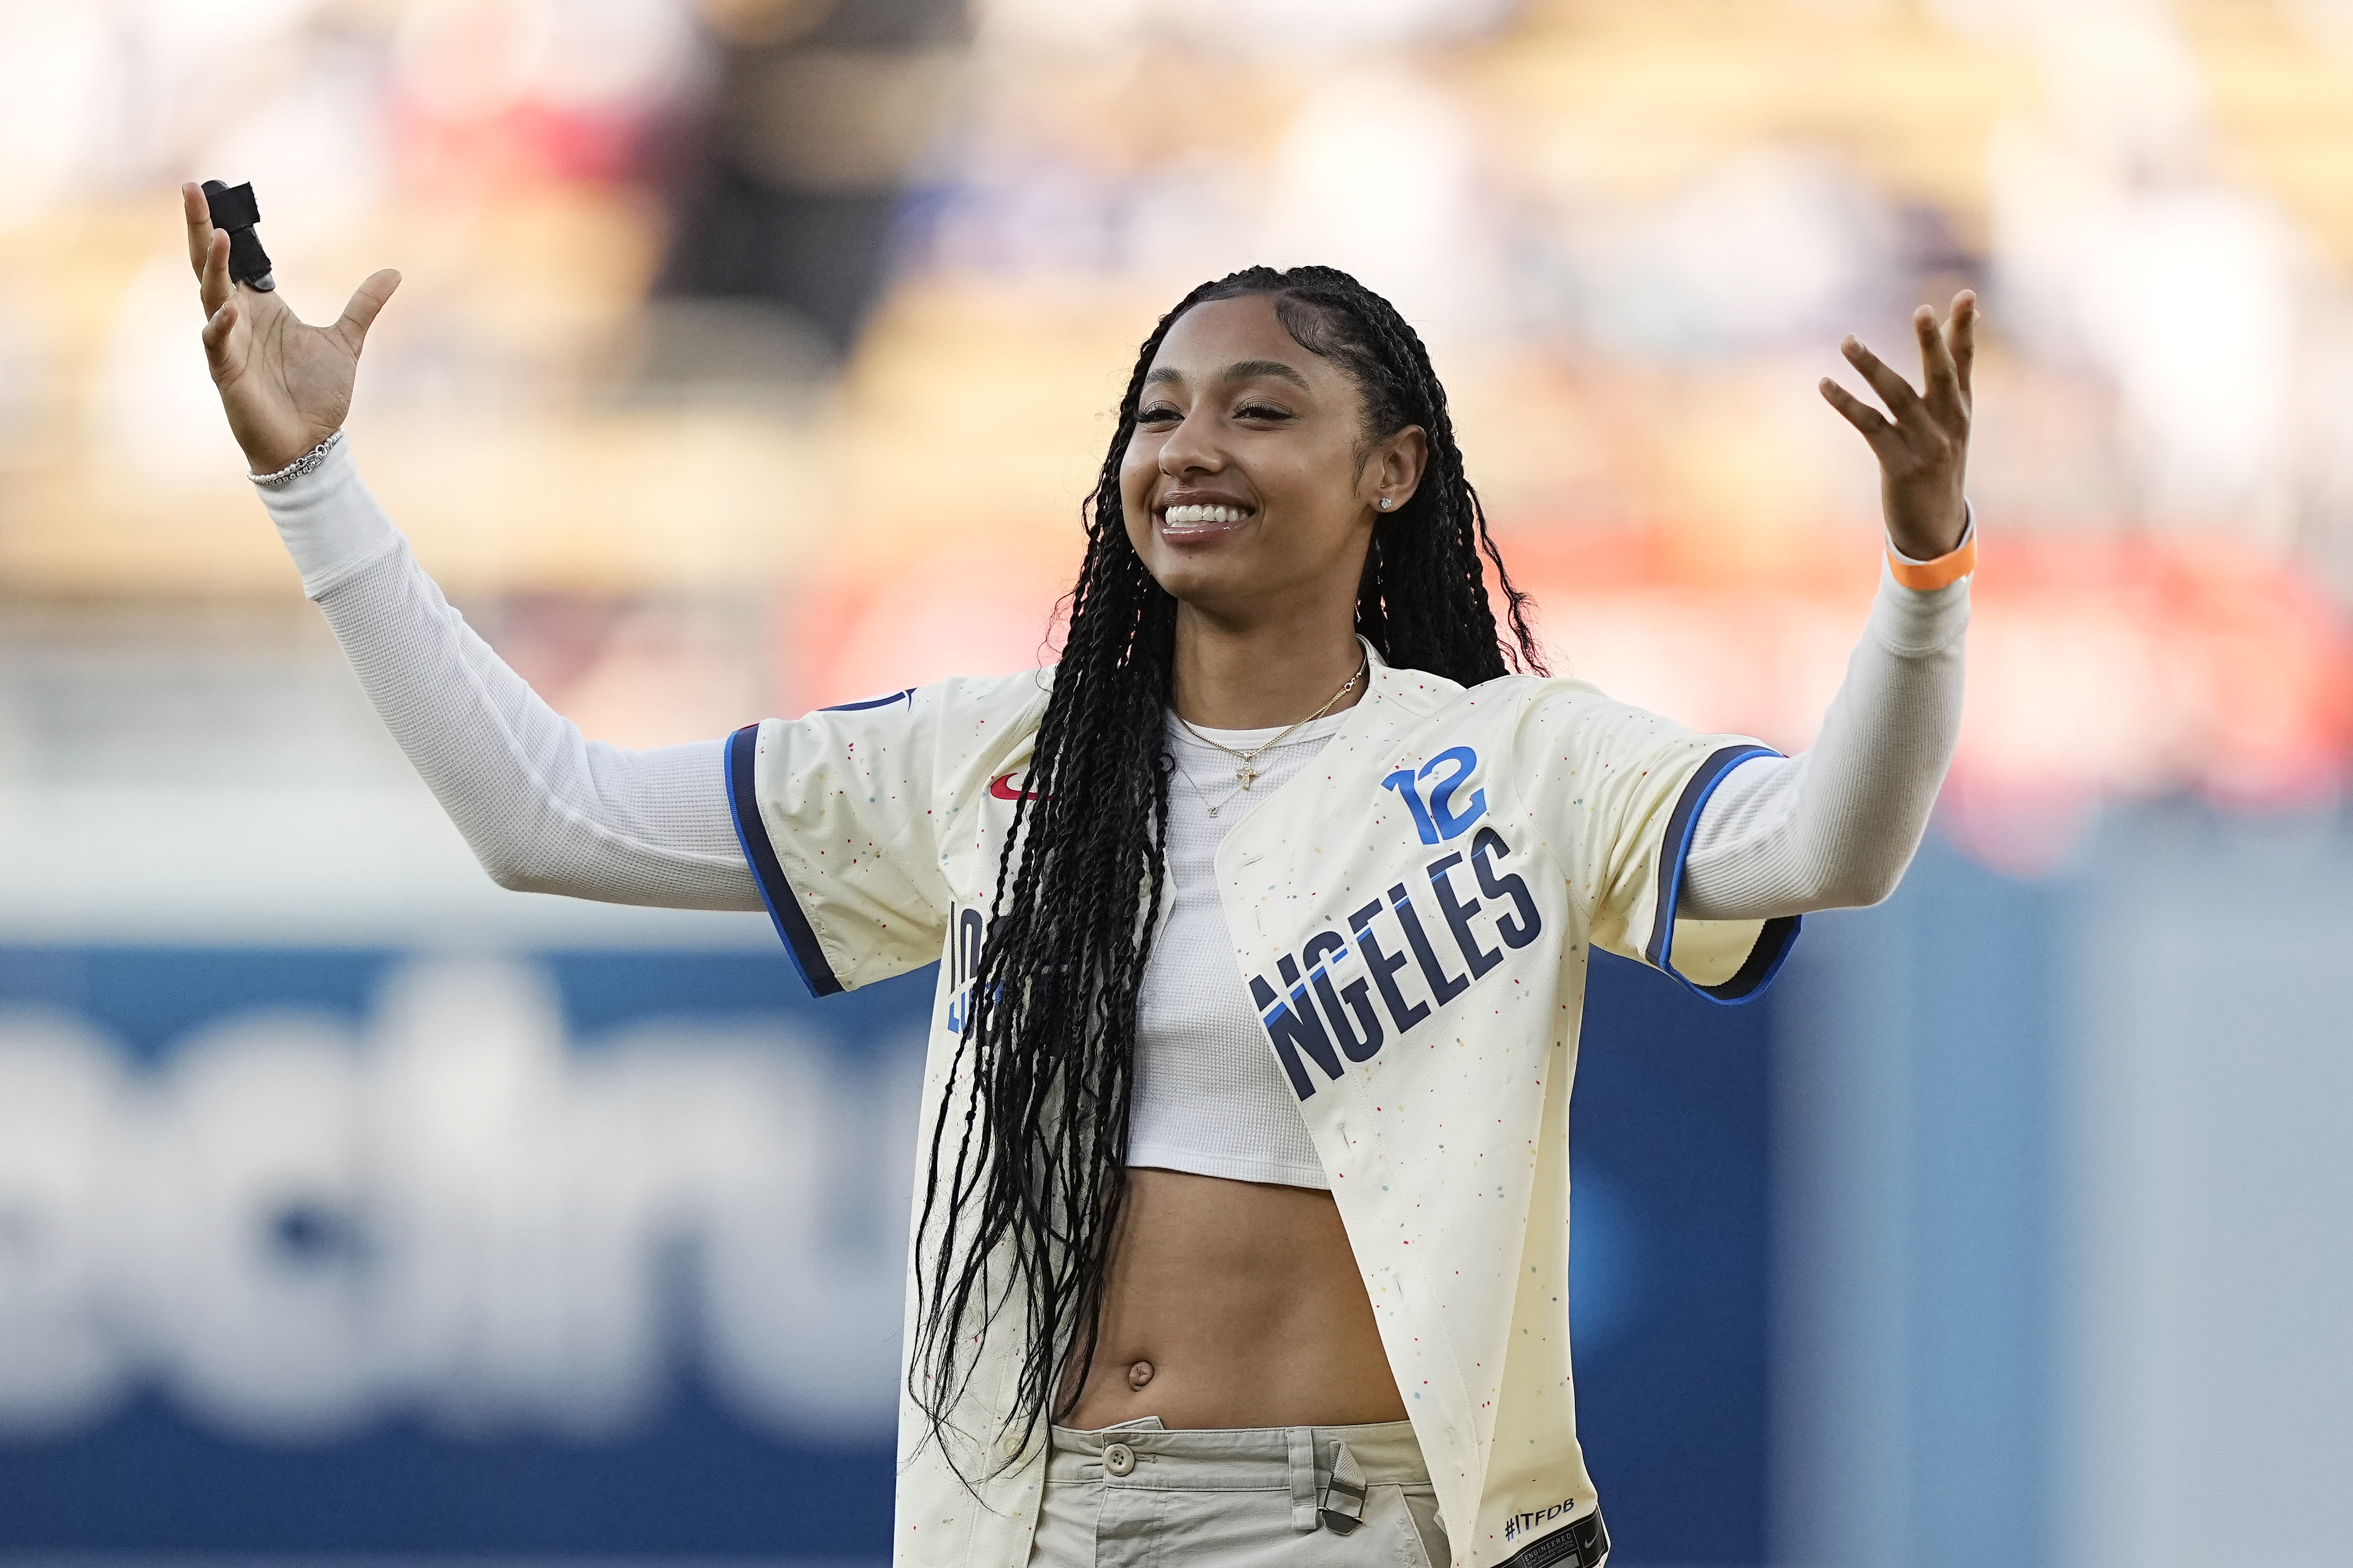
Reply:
x=1019, y=1211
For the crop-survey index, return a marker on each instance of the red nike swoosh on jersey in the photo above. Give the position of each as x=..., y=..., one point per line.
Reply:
x=1001, y=786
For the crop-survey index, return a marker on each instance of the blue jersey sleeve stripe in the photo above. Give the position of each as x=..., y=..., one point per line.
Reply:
x=908, y=697
x=1779, y=935
x=792, y=926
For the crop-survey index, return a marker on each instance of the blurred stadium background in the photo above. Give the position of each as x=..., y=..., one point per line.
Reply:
x=754, y=355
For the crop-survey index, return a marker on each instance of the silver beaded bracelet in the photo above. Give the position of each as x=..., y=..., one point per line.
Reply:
x=307, y=463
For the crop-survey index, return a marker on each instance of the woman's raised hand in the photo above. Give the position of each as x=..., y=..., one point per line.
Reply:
x=284, y=385
x=1924, y=450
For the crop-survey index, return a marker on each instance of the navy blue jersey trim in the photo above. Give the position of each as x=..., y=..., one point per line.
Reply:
x=792, y=926
x=1773, y=943
x=1764, y=962
x=908, y=697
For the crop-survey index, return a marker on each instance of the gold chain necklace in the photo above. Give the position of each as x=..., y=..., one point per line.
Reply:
x=1247, y=772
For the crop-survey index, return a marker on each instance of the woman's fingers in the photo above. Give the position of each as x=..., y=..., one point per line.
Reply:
x=220, y=351
x=1938, y=375
x=1961, y=337
x=200, y=225
x=214, y=287
x=1859, y=414
x=361, y=312
x=1892, y=389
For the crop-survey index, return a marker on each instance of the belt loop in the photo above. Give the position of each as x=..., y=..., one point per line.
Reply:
x=1344, y=1499
x=1302, y=1479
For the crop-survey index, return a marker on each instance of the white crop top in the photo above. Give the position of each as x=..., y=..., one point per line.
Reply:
x=1208, y=1096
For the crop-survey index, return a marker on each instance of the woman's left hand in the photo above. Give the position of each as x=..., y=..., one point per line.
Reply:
x=1924, y=450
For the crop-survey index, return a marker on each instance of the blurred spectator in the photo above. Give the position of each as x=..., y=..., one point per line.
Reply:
x=824, y=108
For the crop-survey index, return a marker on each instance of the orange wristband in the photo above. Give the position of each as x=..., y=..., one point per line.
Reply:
x=1943, y=572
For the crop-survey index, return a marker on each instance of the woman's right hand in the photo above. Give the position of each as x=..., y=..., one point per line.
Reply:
x=285, y=386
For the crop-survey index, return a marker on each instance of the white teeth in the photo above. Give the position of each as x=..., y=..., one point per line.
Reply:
x=1189, y=516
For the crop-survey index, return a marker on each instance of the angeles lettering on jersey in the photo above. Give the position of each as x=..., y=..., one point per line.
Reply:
x=1325, y=1010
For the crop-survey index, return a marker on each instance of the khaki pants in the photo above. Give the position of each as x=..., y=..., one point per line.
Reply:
x=1138, y=1495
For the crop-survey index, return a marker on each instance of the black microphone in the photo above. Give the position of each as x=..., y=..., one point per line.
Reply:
x=234, y=209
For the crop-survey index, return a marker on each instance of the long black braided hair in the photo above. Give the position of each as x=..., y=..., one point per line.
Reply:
x=1021, y=1194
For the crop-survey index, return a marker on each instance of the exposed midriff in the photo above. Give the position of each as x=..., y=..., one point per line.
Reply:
x=1244, y=1301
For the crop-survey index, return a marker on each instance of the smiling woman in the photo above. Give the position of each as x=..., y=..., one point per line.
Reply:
x=1262, y=922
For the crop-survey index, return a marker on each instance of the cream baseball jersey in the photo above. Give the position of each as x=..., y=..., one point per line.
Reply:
x=1412, y=915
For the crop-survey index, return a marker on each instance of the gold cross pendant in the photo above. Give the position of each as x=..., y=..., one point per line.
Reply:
x=1247, y=773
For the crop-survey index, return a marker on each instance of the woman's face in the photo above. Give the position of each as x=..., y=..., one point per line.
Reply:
x=1248, y=484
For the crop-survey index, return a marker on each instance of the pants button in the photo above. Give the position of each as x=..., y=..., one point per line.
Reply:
x=1118, y=1459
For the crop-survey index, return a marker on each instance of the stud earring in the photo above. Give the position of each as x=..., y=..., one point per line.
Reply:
x=1387, y=503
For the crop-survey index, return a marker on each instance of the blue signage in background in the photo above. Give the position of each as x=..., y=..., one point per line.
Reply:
x=332, y=1251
